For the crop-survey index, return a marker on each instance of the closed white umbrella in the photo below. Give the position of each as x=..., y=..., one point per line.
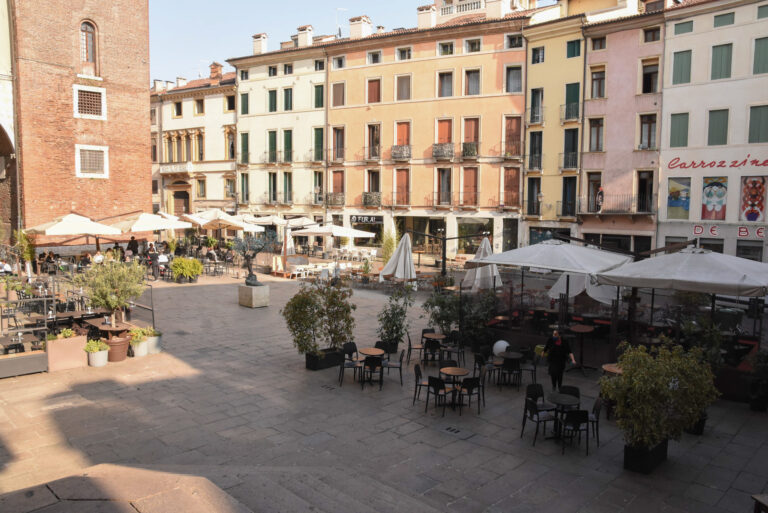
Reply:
x=301, y=222
x=269, y=220
x=400, y=265
x=693, y=270
x=483, y=277
x=574, y=284
x=288, y=247
x=149, y=223
x=72, y=224
x=215, y=219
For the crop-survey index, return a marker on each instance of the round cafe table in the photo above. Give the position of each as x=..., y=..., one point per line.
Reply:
x=371, y=351
x=581, y=330
x=454, y=373
x=612, y=368
x=562, y=402
x=434, y=336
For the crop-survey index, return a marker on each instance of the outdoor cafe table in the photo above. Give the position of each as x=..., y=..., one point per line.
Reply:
x=581, y=330
x=111, y=330
x=612, y=368
x=454, y=373
x=371, y=351
x=434, y=336
x=562, y=402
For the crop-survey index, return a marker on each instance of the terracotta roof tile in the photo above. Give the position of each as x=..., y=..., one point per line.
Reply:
x=226, y=79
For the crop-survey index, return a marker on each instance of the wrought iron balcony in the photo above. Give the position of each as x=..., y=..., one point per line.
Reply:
x=316, y=155
x=401, y=198
x=271, y=157
x=532, y=208
x=470, y=150
x=334, y=199
x=533, y=162
x=512, y=149
x=371, y=199
x=401, y=152
x=570, y=112
x=442, y=151
x=566, y=208
x=468, y=198
x=373, y=152
x=535, y=116
x=511, y=199
x=569, y=160
x=337, y=154
x=442, y=199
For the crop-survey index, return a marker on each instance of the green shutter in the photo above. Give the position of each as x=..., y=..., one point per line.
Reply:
x=244, y=103
x=244, y=148
x=722, y=20
x=319, y=96
x=318, y=146
x=721, y=61
x=683, y=28
x=288, y=145
x=288, y=99
x=573, y=49
x=762, y=11
x=761, y=56
x=718, y=127
x=273, y=101
x=758, y=124
x=681, y=68
x=679, y=131
x=272, y=142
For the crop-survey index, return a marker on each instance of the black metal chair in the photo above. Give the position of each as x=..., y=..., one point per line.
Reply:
x=535, y=391
x=575, y=392
x=431, y=351
x=372, y=365
x=480, y=364
x=575, y=423
x=532, y=413
x=594, y=419
x=424, y=332
x=411, y=347
x=351, y=361
x=510, y=371
x=470, y=387
x=419, y=383
x=438, y=388
x=531, y=366
x=396, y=365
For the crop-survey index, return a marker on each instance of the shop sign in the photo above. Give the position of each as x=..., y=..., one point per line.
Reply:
x=678, y=163
x=742, y=232
x=366, y=219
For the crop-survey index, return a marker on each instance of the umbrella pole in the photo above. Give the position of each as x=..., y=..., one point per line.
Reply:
x=567, y=295
x=98, y=247
x=712, y=312
x=522, y=289
x=653, y=300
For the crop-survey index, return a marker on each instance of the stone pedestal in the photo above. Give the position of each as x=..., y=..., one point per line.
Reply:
x=253, y=297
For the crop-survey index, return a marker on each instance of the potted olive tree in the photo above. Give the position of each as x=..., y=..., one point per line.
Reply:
x=97, y=351
x=657, y=395
x=253, y=294
x=393, y=318
x=320, y=320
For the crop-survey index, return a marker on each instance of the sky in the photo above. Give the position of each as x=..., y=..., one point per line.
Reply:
x=185, y=36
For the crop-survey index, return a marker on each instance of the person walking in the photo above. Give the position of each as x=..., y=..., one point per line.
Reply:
x=558, y=353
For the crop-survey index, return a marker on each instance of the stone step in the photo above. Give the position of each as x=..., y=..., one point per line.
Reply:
x=323, y=496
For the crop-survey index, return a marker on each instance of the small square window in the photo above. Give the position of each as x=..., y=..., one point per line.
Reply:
x=404, y=54
x=231, y=102
x=472, y=45
x=374, y=57
x=537, y=55
x=598, y=43
x=319, y=65
x=177, y=109
x=90, y=103
x=155, y=187
x=683, y=27
x=243, y=74
x=287, y=69
x=762, y=11
x=272, y=71
x=91, y=161
x=199, y=106
x=445, y=48
x=152, y=116
x=651, y=34
x=512, y=41
x=339, y=62
x=573, y=49
x=721, y=20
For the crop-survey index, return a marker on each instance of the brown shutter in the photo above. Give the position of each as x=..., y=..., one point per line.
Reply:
x=470, y=186
x=374, y=91
x=338, y=95
x=512, y=186
x=471, y=130
x=401, y=176
x=403, y=133
x=512, y=130
x=445, y=131
x=338, y=181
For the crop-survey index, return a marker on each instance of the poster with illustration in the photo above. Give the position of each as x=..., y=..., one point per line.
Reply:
x=678, y=198
x=752, y=199
x=713, y=198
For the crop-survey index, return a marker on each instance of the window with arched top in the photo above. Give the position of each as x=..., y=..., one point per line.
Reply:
x=87, y=42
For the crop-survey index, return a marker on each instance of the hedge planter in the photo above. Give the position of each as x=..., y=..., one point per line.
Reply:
x=118, y=348
x=98, y=359
x=140, y=349
x=643, y=460
x=698, y=428
x=66, y=353
x=154, y=344
x=325, y=360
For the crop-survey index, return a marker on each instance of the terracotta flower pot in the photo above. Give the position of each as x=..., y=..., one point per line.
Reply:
x=118, y=348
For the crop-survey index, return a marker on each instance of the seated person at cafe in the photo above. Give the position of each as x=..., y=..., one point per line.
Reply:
x=40, y=263
x=98, y=257
x=85, y=259
x=109, y=256
x=211, y=255
x=5, y=267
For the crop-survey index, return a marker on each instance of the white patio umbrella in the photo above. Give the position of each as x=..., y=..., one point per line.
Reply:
x=400, y=265
x=301, y=222
x=149, y=223
x=72, y=224
x=332, y=230
x=482, y=277
x=288, y=247
x=215, y=219
x=692, y=270
x=166, y=215
x=271, y=220
x=574, y=284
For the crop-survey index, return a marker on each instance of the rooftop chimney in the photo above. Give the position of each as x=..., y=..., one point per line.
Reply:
x=158, y=85
x=426, y=16
x=380, y=29
x=360, y=26
x=497, y=8
x=216, y=70
x=169, y=85
x=259, y=43
x=305, y=35
x=181, y=81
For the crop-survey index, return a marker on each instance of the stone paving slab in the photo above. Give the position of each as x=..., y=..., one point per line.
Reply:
x=230, y=400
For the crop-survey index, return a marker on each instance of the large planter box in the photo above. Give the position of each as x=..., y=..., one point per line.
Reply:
x=253, y=297
x=327, y=359
x=644, y=460
x=19, y=364
x=66, y=353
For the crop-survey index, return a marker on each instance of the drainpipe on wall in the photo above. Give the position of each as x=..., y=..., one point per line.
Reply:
x=583, y=117
x=326, y=133
x=521, y=211
x=16, y=103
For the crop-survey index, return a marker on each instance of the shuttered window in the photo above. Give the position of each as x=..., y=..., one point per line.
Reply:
x=338, y=95
x=514, y=79
x=244, y=103
x=758, y=124
x=683, y=27
x=761, y=56
x=678, y=137
x=681, y=67
x=722, y=20
x=445, y=85
x=573, y=49
x=718, y=127
x=374, y=91
x=472, y=82
x=721, y=61
x=319, y=96
x=287, y=99
x=272, y=100
x=403, y=88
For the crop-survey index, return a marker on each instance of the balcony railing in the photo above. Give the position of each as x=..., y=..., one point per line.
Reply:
x=442, y=151
x=334, y=199
x=570, y=112
x=244, y=157
x=442, y=199
x=511, y=199
x=270, y=198
x=658, y=5
x=569, y=160
x=316, y=198
x=316, y=155
x=337, y=154
x=618, y=204
x=271, y=157
x=401, y=198
x=647, y=146
x=373, y=152
x=532, y=208
x=285, y=197
x=566, y=208
x=470, y=150
x=371, y=199
x=535, y=116
x=286, y=156
x=512, y=149
x=401, y=152
x=469, y=6
x=468, y=198
x=533, y=161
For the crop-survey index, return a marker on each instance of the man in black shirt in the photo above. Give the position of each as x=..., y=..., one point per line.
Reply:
x=558, y=353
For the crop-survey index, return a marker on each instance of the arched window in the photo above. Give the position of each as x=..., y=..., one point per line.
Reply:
x=87, y=42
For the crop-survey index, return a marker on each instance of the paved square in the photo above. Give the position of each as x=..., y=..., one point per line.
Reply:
x=230, y=400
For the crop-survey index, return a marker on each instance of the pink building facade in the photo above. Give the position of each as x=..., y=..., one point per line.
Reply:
x=621, y=126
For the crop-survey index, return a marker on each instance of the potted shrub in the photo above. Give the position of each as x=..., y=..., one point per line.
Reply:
x=97, y=351
x=393, y=318
x=657, y=395
x=758, y=389
x=442, y=311
x=173, y=243
x=138, y=342
x=65, y=350
x=154, y=340
x=366, y=269
x=320, y=314
x=186, y=269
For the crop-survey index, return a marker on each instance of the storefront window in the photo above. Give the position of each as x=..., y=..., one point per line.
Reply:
x=473, y=226
x=750, y=249
x=715, y=245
